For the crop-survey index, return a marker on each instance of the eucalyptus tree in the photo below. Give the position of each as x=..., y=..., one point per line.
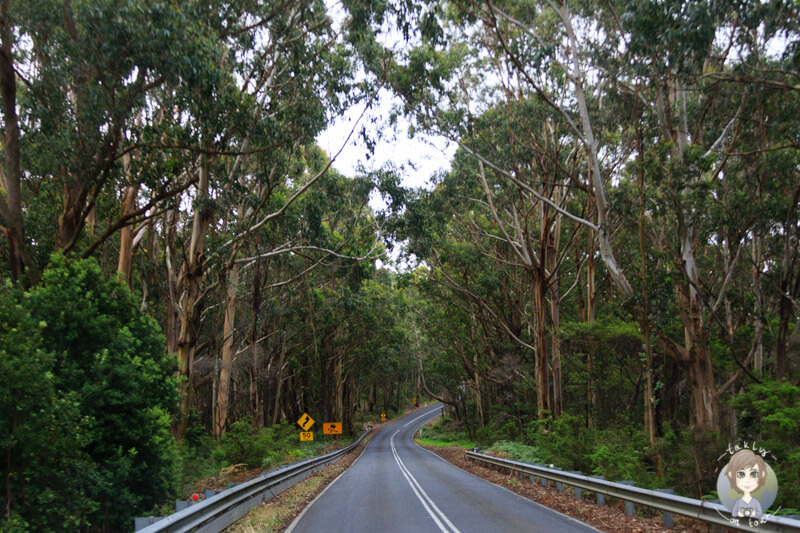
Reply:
x=79, y=83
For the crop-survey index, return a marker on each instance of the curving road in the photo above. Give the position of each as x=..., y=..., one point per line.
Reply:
x=397, y=486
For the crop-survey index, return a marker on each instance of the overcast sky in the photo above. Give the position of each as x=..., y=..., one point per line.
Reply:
x=420, y=156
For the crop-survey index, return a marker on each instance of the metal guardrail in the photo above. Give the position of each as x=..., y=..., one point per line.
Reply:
x=712, y=513
x=218, y=512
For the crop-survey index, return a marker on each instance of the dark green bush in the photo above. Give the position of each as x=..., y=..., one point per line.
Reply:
x=565, y=442
x=243, y=444
x=773, y=409
x=93, y=444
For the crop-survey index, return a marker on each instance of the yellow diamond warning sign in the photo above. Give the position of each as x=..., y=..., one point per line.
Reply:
x=305, y=422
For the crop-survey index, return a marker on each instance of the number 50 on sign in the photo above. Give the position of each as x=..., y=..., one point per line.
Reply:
x=306, y=436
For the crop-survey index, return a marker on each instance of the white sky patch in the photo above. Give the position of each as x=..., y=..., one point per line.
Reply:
x=420, y=157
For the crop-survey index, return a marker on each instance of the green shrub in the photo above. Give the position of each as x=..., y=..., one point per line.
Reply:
x=517, y=451
x=93, y=445
x=565, y=442
x=616, y=462
x=42, y=434
x=773, y=409
x=242, y=444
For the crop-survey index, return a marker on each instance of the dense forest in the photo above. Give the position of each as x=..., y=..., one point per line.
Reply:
x=608, y=273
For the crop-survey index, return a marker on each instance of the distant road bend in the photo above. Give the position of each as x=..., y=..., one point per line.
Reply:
x=397, y=486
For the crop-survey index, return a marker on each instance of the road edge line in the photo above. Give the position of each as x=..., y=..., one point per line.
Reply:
x=318, y=496
x=520, y=496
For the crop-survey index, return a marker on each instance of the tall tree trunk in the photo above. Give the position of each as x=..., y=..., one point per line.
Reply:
x=276, y=414
x=699, y=369
x=223, y=392
x=758, y=306
x=173, y=314
x=11, y=178
x=789, y=288
x=339, y=387
x=125, y=262
x=553, y=240
x=591, y=392
x=478, y=390
x=256, y=402
x=649, y=397
x=190, y=282
x=542, y=373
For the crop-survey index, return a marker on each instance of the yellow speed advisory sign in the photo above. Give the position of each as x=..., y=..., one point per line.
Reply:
x=306, y=436
x=305, y=422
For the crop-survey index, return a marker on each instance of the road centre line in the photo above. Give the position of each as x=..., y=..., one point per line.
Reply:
x=419, y=492
x=420, y=416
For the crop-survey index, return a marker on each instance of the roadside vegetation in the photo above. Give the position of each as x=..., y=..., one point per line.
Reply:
x=606, y=277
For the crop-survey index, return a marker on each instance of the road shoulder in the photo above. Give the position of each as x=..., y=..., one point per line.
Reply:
x=610, y=518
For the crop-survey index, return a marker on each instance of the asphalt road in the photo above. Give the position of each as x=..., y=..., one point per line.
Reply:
x=397, y=486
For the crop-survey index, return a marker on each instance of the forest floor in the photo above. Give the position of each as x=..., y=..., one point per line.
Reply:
x=276, y=514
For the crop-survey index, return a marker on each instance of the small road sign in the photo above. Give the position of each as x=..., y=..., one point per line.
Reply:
x=383, y=417
x=305, y=422
x=414, y=401
x=332, y=428
x=306, y=436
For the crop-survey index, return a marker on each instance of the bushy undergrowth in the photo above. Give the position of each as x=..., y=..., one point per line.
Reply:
x=516, y=451
x=245, y=444
x=445, y=430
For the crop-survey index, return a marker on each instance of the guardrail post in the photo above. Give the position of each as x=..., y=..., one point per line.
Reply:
x=543, y=480
x=559, y=486
x=630, y=510
x=577, y=490
x=600, y=498
x=180, y=505
x=141, y=522
x=668, y=521
x=210, y=493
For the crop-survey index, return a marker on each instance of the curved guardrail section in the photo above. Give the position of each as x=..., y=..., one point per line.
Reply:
x=218, y=512
x=712, y=513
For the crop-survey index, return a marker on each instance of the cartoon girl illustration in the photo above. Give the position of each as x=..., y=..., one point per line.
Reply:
x=747, y=473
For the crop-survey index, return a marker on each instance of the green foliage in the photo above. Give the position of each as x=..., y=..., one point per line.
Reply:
x=41, y=431
x=445, y=432
x=565, y=442
x=243, y=444
x=516, y=451
x=616, y=461
x=264, y=447
x=773, y=409
x=104, y=396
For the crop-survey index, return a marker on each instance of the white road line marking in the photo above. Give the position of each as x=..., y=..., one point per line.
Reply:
x=307, y=507
x=420, y=416
x=412, y=481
